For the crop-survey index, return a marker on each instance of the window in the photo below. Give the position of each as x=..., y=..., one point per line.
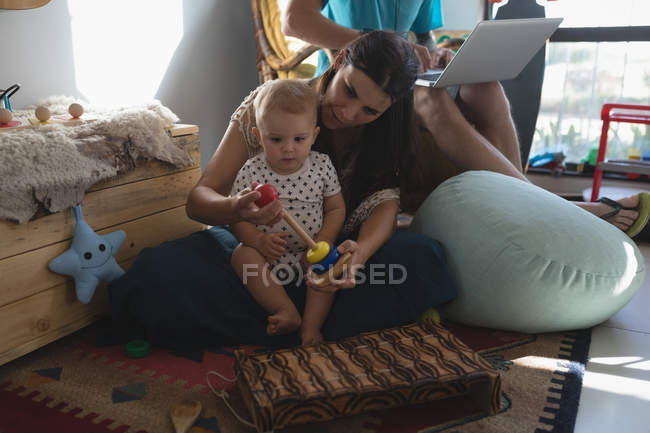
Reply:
x=600, y=53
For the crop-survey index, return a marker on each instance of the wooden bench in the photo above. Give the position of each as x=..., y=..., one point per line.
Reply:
x=38, y=306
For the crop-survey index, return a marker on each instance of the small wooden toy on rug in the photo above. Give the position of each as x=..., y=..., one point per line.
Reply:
x=90, y=259
x=184, y=414
x=43, y=116
x=326, y=263
x=137, y=348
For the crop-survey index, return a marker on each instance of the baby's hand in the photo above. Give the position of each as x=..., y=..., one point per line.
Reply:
x=304, y=264
x=272, y=245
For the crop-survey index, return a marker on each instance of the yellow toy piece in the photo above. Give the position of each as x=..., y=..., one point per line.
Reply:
x=319, y=253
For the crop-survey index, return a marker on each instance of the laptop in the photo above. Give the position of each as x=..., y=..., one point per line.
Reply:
x=495, y=50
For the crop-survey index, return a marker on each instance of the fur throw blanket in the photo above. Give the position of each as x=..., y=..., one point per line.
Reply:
x=50, y=167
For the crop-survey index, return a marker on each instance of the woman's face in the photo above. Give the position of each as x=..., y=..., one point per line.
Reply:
x=352, y=99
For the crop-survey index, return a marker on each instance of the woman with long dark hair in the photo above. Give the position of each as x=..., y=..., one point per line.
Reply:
x=185, y=293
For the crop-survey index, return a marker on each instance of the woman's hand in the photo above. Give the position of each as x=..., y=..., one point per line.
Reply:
x=347, y=279
x=272, y=245
x=245, y=208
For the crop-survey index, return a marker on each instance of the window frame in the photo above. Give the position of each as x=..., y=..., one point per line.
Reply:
x=587, y=34
x=602, y=34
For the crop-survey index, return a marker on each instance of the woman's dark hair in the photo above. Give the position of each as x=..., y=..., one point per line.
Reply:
x=389, y=143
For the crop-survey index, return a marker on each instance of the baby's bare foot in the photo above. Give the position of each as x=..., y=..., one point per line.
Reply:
x=310, y=335
x=283, y=322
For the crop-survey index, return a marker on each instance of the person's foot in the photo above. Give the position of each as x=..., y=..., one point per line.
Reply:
x=623, y=219
x=310, y=335
x=283, y=322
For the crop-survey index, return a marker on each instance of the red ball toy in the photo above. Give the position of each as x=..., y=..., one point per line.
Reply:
x=268, y=194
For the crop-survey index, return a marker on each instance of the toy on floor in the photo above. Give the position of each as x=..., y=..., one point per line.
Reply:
x=553, y=161
x=42, y=113
x=90, y=259
x=137, y=348
x=184, y=414
x=75, y=110
x=326, y=263
x=5, y=119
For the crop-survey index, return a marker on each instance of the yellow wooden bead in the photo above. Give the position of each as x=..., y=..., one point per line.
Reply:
x=321, y=251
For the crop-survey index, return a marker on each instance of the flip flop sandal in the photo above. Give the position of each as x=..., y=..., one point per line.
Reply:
x=643, y=209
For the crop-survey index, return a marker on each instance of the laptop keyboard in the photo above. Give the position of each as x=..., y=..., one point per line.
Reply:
x=430, y=75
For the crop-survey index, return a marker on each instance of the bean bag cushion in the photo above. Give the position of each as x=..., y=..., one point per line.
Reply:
x=525, y=259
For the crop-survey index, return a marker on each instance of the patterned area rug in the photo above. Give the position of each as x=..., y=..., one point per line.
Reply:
x=79, y=385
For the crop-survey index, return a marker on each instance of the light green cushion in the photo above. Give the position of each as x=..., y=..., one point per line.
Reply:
x=525, y=259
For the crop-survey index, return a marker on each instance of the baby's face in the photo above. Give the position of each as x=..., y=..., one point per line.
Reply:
x=287, y=139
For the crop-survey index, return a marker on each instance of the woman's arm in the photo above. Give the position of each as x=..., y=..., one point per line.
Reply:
x=377, y=229
x=302, y=19
x=210, y=202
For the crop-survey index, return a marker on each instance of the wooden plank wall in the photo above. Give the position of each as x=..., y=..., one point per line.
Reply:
x=38, y=306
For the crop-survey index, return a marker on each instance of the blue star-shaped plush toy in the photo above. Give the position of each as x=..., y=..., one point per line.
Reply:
x=90, y=259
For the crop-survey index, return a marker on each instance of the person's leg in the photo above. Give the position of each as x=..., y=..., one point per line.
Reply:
x=184, y=294
x=255, y=273
x=406, y=276
x=491, y=144
x=623, y=219
x=486, y=106
x=317, y=306
x=452, y=141
x=463, y=144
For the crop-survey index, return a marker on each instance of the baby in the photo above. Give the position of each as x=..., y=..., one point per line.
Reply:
x=308, y=187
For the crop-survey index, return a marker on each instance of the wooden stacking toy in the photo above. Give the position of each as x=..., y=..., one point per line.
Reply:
x=326, y=262
x=5, y=116
x=42, y=113
x=75, y=110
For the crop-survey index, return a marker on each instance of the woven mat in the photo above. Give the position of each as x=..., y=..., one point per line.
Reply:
x=79, y=385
